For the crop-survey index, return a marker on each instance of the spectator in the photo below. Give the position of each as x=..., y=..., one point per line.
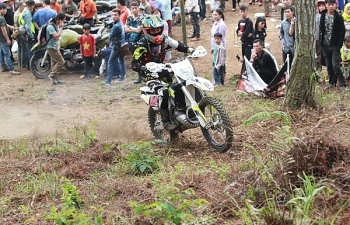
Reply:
x=20, y=7
x=55, y=6
x=222, y=4
x=176, y=13
x=219, y=58
x=219, y=26
x=346, y=17
x=158, y=4
x=167, y=15
x=214, y=4
x=345, y=50
x=203, y=10
x=142, y=10
x=27, y=29
x=266, y=8
x=193, y=9
x=287, y=3
x=151, y=2
x=5, y=42
x=234, y=3
x=22, y=52
x=42, y=16
x=287, y=34
x=88, y=50
x=260, y=29
x=117, y=38
x=124, y=11
x=321, y=5
x=106, y=52
x=253, y=2
x=332, y=31
x=345, y=55
x=53, y=35
x=9, y=17
x=245, y=31
x=147, y=6
x=263, y=63
x=133, y=26
x=87, y=12
x=70, y=9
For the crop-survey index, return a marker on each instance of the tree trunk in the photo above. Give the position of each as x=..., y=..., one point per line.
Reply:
x=301, y=86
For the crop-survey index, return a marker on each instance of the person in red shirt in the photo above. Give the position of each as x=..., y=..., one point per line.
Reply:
x=124, y=11
x=87, y=10
x=55, y=6
x=88, y=50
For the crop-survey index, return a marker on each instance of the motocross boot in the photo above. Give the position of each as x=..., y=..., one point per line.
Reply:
x=164, y=114
x=138, y=81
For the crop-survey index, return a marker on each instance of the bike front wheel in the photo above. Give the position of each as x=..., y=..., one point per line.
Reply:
x=219, y=132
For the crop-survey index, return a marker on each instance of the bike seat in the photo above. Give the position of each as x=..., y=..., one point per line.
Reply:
x=73, y=46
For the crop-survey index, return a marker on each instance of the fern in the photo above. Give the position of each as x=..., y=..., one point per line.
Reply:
x=284, y=117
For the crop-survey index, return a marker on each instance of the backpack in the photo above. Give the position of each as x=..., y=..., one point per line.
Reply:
x=42, y=34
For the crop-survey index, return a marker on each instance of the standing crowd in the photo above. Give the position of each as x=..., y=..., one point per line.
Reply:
x=146, y=27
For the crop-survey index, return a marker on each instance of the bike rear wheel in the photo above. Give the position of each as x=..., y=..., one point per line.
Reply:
x=155, y=124
x=220, y=132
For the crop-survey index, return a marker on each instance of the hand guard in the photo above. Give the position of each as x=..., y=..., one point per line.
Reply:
x=190, y=50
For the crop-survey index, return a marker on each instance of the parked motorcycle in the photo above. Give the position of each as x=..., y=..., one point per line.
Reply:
x=188, y=105
x=40, y=63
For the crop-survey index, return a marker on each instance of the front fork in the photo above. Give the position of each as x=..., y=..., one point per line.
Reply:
x=199, y=114
x=43, y=60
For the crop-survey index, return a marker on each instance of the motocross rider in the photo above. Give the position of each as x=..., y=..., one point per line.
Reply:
x=152, y=48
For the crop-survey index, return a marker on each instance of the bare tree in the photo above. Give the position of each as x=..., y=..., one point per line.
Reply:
x=301, y=86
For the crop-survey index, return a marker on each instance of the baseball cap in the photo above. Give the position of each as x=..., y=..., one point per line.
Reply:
x=141, y=7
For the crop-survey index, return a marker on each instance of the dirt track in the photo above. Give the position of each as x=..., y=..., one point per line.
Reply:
x=34, y=108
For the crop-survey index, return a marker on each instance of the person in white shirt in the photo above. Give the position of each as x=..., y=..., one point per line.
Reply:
x=193, y=9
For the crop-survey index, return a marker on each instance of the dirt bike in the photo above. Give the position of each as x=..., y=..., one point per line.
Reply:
x=40, y=63
x=188, y=105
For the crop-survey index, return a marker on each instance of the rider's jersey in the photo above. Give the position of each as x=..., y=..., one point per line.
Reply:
x=148, y=52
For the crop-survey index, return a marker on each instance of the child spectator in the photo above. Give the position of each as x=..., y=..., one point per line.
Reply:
x=260, y=29
x=88, y=49
x=345, y=55
x=245, y=31
x=219, y=58
x=345, y=50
